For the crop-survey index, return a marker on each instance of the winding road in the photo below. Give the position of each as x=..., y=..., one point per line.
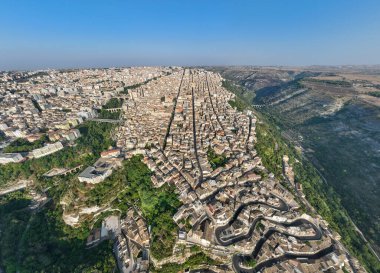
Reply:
x=238, y=259
x=219, y=230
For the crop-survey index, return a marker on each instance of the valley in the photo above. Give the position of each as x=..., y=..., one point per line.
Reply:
x=333, y=116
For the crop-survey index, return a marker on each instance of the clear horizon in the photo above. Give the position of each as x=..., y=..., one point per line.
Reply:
x=91, y=34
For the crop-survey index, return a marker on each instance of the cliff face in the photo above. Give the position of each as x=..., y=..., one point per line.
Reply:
x=334, y=115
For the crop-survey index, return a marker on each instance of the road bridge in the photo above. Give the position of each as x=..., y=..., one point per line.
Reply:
x=105, y=120
x=112, y=110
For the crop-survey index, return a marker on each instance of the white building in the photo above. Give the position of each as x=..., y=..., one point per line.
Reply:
x=11, y=158
x=93, y=176
x=101, y=169
x=47, y=150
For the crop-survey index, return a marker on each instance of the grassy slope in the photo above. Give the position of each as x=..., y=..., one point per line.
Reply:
x=193, y=262
x=95, y=138
x=132, y=186
x=41, y=242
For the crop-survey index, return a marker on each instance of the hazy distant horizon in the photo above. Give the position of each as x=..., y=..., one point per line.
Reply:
x=84, y=34
x=361, y=66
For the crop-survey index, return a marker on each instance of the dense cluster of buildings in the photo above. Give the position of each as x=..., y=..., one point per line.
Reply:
x=227, y=209
x=183, y=123
x=132, y=247
x=61, y=138
x=32, y=101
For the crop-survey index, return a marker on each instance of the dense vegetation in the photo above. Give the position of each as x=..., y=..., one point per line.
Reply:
x=95, y=138
x=239, y=91
x=271, y=146
x=237, y=103
x=158, y=206
x=250, y=263
x=39, y=240
x=216, y=160
x=105, y=114
x=23, y=145
x=112, y=103
x=374, y=94
x=131, y=186
x=34, y=241
x=2, y=136
x=195, y=261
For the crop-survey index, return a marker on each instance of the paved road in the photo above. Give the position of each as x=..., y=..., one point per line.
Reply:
x=238, y=259
x=215, y=113
x=200, y=178
x=105, y=120
x=173, y=112
x=218, y=231
x=298, y=222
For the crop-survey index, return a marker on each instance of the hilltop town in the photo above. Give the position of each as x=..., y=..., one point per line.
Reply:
x=185, y=128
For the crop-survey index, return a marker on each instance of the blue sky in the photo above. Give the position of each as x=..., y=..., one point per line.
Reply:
x=59, y=34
